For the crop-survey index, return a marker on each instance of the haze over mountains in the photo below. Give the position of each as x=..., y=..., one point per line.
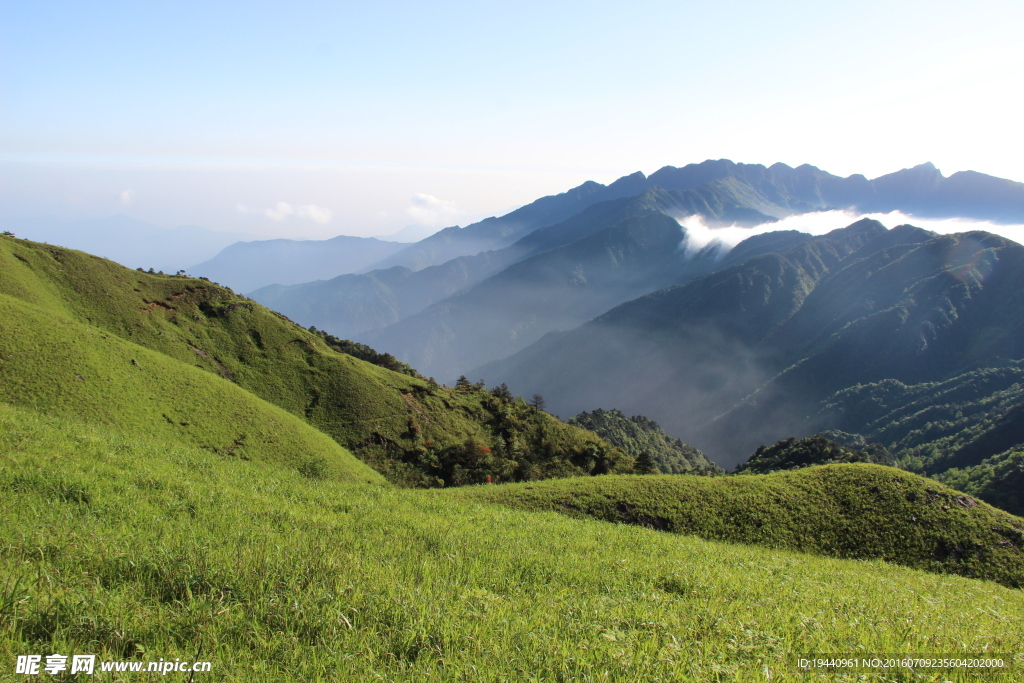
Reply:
x=744, y=356
x=597, y=298
x=622, y=297
x=744, y=193
x=445, y=319
x=246, y=266
x=726, y=194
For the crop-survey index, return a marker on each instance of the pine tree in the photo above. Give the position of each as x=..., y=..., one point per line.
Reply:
x=645, y=464
x=502, y=392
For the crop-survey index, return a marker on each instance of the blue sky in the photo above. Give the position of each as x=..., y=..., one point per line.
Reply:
x=319, y=118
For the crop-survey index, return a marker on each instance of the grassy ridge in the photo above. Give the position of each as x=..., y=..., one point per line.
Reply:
x=389, y=419
x=205, y=325
x=128, y=548
x=63, y=367
x=850, y=510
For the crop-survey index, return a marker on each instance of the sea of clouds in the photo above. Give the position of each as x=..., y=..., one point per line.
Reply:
x=698, y=235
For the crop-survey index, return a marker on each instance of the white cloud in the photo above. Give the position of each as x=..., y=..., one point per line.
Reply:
x=279, y=212
x=431, y=211
x=699, y=235
x=283, y=210
x=125, y=197
x=317, y=214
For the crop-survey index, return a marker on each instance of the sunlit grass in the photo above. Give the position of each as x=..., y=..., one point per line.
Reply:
x=857, y=510
x=127, y=548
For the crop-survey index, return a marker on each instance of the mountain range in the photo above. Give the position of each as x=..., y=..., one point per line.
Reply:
x=781, y=344
x=777, y=190
x=245, y=266
x=552, y=277
x=786, y=334
x=594, y=300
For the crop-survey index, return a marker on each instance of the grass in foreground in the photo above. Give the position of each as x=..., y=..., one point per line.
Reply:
x=133, y=549
x=861, y=510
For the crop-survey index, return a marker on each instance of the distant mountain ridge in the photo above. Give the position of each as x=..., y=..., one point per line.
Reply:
x=785, y=335
x=696, y=333
x=720, y=191
x=353, y=305
x=745, y=355
x=245, y=266
x=921, y=190
x=494, y=233
x=556, y=289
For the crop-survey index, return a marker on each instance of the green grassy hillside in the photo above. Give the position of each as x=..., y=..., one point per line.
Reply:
x=396, y=422
x=129, y=548
x=59, y=366
x=855, y=511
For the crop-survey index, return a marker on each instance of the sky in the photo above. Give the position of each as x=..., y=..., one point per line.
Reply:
x=313, y=119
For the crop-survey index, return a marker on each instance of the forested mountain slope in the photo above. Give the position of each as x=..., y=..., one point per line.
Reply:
x=933, y=425
x=742, y=356
x=920, y=312
x=684, y=354
x=654, y=450
x=999, y=480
